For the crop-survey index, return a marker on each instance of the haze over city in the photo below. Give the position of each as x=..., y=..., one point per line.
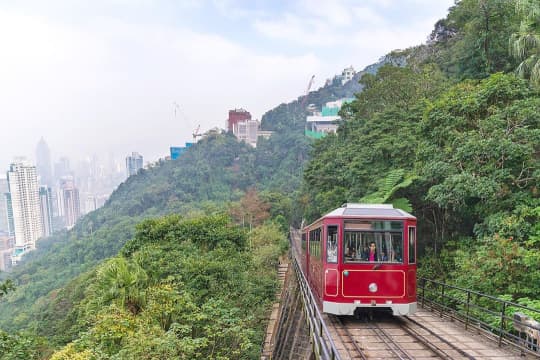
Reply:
x=102, y=77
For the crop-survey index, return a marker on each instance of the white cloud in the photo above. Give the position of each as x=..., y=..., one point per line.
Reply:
x=109, y=85
x=367, y=16
x=335, y=13
x=292, y=28
x=93, y=78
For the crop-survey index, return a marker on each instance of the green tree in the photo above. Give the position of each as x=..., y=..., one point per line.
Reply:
x=525, y=43
x=6, y=287
x=471, y=42
x=122, y=281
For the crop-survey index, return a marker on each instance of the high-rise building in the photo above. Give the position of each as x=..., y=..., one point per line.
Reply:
x=6, y=248
x=70, y=201
x=45, y=204
x=4, y=225
x=236, y=116
x=247, y=131
x=43, y=163
x=62, y=168
x=134, y=163
x=11, y=222
x=24, y=196
x=347, y=74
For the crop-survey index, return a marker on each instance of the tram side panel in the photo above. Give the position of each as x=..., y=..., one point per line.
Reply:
x=315, y=260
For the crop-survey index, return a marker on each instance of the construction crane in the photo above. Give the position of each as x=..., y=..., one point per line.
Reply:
x=196, y=133
x=176, y=107
x=178, y=110
x=302, y=106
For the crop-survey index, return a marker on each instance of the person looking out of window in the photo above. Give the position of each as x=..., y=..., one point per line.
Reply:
x=371, y=254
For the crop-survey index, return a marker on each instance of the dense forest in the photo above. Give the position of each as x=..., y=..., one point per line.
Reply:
x=453, y=136
x=180, y=262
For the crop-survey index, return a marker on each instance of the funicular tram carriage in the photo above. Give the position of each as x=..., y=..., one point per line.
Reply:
x=346, y=276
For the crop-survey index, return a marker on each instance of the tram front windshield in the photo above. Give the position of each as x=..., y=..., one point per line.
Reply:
x=373, y=241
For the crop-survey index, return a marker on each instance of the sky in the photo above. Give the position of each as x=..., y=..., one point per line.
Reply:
x=102, y=77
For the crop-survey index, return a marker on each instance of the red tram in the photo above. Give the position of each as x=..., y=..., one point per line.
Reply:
x=362, y=257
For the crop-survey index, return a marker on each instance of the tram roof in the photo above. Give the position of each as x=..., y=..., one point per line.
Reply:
x=369, y=210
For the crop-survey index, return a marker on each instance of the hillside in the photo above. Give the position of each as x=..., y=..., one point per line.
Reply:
x=211, y=175
x=290, y=117
x=454, y=137
x=451, y=134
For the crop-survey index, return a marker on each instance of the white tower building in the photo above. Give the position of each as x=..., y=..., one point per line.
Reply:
x=24, y=191
x=134, y=163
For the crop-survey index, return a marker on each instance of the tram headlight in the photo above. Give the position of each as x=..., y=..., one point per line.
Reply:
x=373, y=287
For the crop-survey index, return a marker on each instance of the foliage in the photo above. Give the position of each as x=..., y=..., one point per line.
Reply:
x=442, y=128
x=394, y=181
x=471, y=42
x=380, y=135
x=194, y=295
x=251, y=209
x=459, y=144
x=525, y=44
x=22, y=346
x=208, y=232
x=5, y=287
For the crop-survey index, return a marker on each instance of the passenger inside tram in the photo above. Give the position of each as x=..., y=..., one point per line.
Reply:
x=371, y=254
x=351, y=252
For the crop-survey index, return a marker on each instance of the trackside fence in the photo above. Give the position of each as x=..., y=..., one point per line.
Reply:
x=323, y=346
x=509, y=322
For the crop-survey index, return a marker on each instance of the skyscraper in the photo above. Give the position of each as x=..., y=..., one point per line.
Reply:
x=4, y=226
x=43, y=163
x=45, y=204
x=62, y=168
x=24, y=193
x=134, y=163
x=70, y=201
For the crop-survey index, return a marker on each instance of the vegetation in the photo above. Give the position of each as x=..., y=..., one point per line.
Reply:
x=5, y=287
x=454, y=136
x=180, y=261
x=525, y=43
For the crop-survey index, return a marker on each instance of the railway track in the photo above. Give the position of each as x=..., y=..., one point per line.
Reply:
x=389, y=337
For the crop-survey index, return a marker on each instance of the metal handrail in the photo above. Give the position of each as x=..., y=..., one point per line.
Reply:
x=324, y=347
x=486, y=312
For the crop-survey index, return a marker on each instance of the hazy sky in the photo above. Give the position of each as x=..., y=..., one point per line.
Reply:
x=97, y=76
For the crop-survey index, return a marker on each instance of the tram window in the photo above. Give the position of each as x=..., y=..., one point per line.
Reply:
x=315, y=243
x=388, y=246
x=331, y=244
x=304, y=238
x=412, y=245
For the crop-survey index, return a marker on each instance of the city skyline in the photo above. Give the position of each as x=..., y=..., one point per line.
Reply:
x=118, y=76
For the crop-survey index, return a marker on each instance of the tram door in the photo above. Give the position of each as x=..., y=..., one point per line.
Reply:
x=331, y=272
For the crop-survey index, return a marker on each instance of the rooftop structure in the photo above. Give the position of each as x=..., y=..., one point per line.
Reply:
x=236, y=116
x=245, y=128
x=326, y=121
x=177, y=151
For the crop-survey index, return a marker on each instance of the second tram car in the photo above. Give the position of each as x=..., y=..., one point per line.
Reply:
x=362, y=257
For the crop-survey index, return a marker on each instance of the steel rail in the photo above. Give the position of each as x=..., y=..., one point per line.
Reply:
x=342, y=326
x=388, y=340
